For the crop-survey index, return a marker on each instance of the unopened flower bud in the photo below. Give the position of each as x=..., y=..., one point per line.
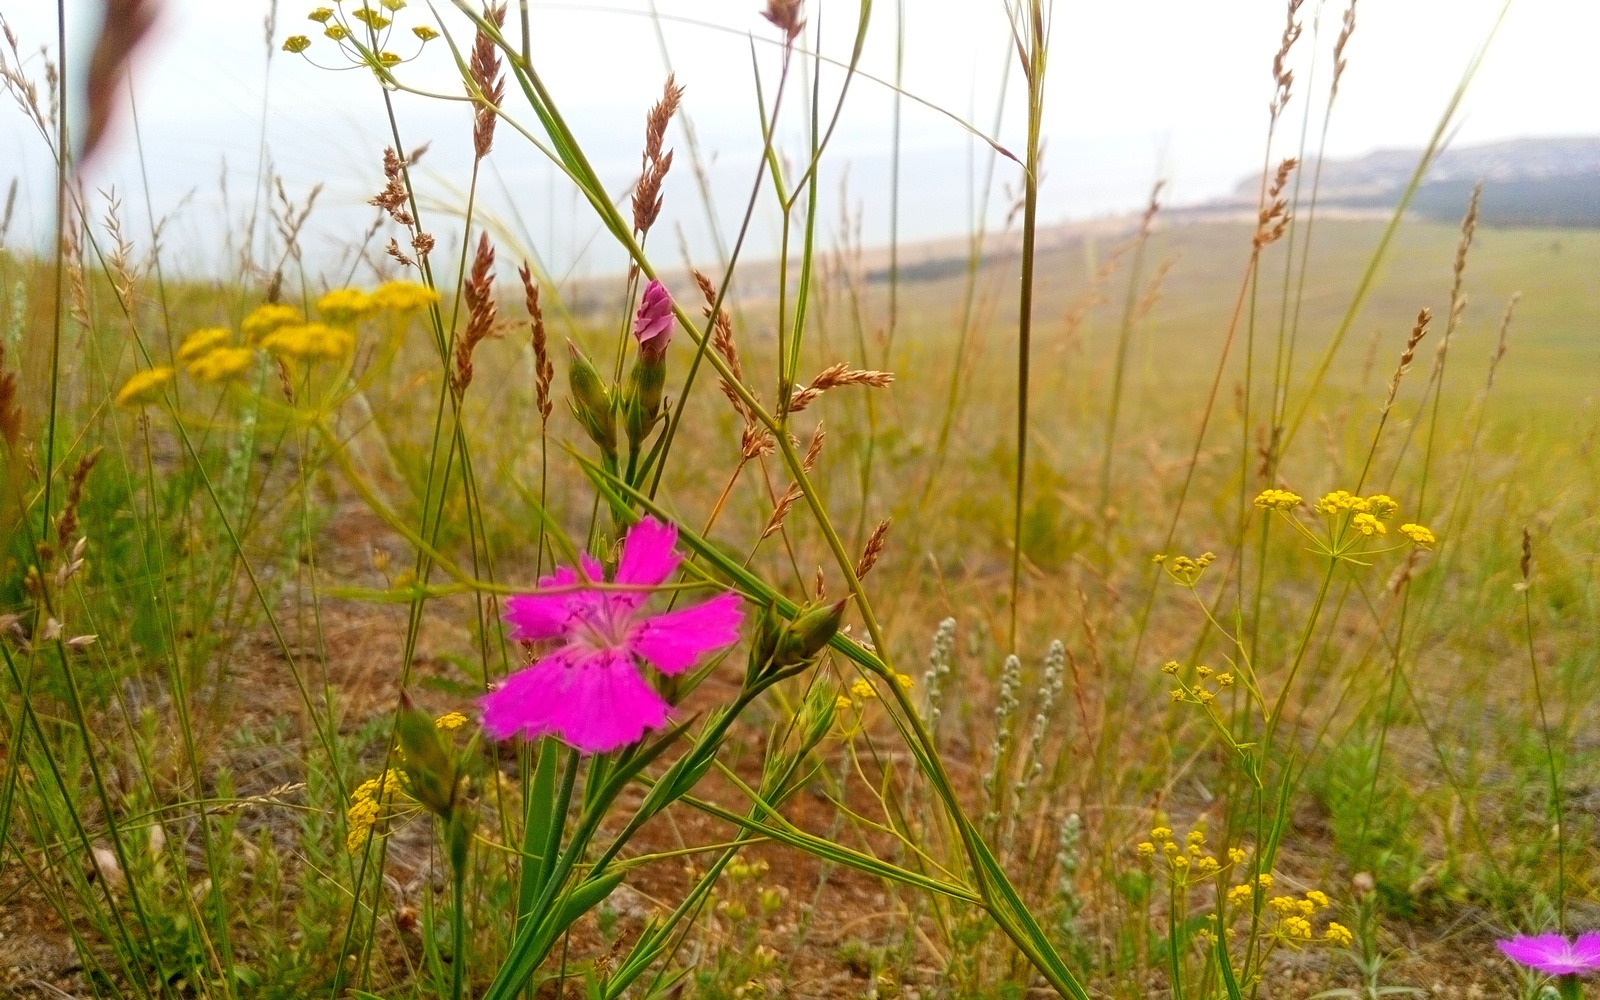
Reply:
x=591, y=402
x=642, y=408
x=652, y=325
x=428, y=764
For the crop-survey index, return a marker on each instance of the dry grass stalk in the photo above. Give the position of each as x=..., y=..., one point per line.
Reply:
x=393, y=197
x=123, y=25
x=488, y=83
x=1273, y=218
x=77, y=284
x=1418, y=331
x=722, y=343
x=1152, y=290
x=543, y=371
x=119, y=258
x=23, y=90
x=67, y=522
x=479, y=293
x=1282, y=75
x=833, y=377
x=1526, y=563
x=873, y=549
x=785, y=15
x=393, y=250
x=814, y=449
x=1500, y=342
x=1458, y=301
x=819, y=586
x=1345, y=31
x=754, y=442
x=655, y=164
x=785, y=503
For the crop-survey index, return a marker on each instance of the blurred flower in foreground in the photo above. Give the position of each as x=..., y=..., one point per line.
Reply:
x=1554, y=953
x=589, y=691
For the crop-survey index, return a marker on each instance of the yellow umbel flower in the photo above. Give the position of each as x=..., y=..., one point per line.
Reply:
x=449, y=721
x=1264, y=880
x=1418, y=535
x=1338, y=935
x=370, y=18
x=296, y=43
x=310, y=341
x=1161, y=833
x=344, y=305
x=1236, y=855
x=1296, y=928
x=322, y=15
x=266, y=318
x=1277, y=500
x=1241, y=894
x=424, y=32
x=1383, y=505
x=221, y=364
x=144, y=387
x=862, y=690
x=360, y=818
x=393, y=5
x=1341, y=500
x=388, y=60
x=1368, y=525
x=1319, y=899
x=337, y=32
x=1147, y=850
x=843, y=703
x=403, y=296
x=202, y=342
x=904, y=681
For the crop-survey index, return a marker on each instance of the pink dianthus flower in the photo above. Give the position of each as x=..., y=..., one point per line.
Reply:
x=589, y=690
x=652, y=324
x=1554, y=953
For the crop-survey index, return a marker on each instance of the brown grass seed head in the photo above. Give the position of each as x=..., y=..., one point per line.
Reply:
x=1339, y=61
x=785, y=15
x=873, y=549
x=647, y=196
x=544, y=372
x=488, y=83
x=479, y=293
x=1418, y=331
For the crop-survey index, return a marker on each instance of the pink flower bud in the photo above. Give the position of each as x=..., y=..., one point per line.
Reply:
x=653, y=323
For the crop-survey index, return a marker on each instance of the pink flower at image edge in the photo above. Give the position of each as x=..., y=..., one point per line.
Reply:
x=654, y=318
x=1554, y=953
x=589, y=690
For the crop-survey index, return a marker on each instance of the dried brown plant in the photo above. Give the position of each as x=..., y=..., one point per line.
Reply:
x=1273, y=217
x=874, y=548
x=543, y=371
x=479, y=294
x=67, y=522
x=722, y=343
x=833, y=377
x=655, y=163
x=1282, y=75
x=488, y=82
x=1347, y=29
x=10, y=412
x=785, y=15
x=394, y=197
x=1418, y=331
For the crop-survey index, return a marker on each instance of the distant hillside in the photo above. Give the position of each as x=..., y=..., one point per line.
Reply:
x=1526, y=182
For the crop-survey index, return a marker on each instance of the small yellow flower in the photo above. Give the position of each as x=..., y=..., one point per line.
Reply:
x=1264, y=880
x=393, y=5
x=1178, y=695
x=1236, y=855
x=862, y=690
x=904, y=680
x=1383, y=505
x=202, y=342
x=1284, y=905
x=1419, y=535
x=1277, y=500
x=1170, y=667
x=842, y=703
x=424, y=32
x=310, y=341
x=1319, y=899
x=1209, y=865
x=1203, y=671
x=222, y=364
x=1195, y=850
x=1341, y=500
x=344, y=305
x=1224, y=679
x=264, y=319
x=296, y=43
x=144, y=387
x=370, y=18
x=1205, y=697
x=449, y=721
x=322, y=15
x=1338, y=935
x=337, y=32
x=1180, y=862
x=1196, y=836
x=388, y=59
x=1368, y=525
x=403, y=296
x=1161, y=833
x=1296, y=928
x=1147, y=850
x=1241, y=894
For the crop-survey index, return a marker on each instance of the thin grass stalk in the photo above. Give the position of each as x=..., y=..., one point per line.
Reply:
x=1032, y=41
x=1544, y=727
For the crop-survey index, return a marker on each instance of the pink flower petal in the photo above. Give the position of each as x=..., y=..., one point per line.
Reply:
x=1587, y=950
x=648, y=557
x=596, y=702
x=654, y=317
x=674, y=641
x=544, y=616
x=1552, y=953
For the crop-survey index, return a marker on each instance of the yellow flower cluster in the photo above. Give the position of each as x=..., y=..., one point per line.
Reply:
x=345, y=305
x=1368, y=524
x=450, y=721
x=202, y=342
x=1184, y=570
x=1340, y=501
x=1338, y=935
x=1418, y=535
x=366, y=805
x=1189, y=860
x=403, y=296
x=310, y=341
x=144, y=387
x=1278, y=500
x=1197, y=693
x=373, y=21
x=862, y=690
x=221, y=364
x=266, y=318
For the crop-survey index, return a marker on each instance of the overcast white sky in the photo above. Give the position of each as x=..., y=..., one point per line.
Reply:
x=1168, y=88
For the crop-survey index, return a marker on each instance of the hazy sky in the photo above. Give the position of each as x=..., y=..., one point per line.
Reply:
x=1168, y=88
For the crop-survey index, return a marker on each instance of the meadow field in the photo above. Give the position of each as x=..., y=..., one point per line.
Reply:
x=1164, y=606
